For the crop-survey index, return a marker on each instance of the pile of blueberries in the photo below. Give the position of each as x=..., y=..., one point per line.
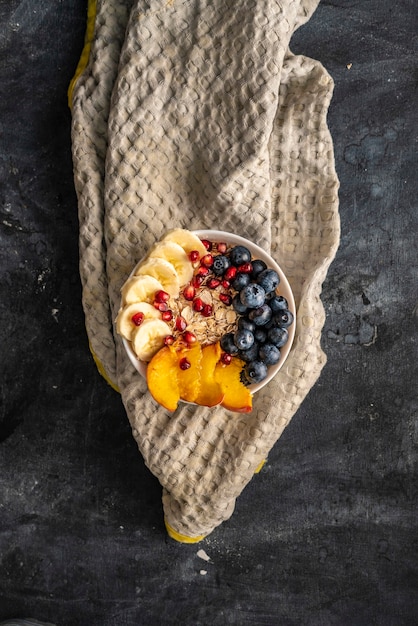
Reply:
x=264, y=316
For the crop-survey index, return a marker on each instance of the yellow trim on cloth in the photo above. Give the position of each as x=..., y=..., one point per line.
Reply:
x=102, y=371
x=181, y=538
x=85, y=54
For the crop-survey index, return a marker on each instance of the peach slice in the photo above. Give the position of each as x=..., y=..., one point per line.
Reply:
x=237, y=397
x=210, y=393
x=189, y=359
x=162, y=378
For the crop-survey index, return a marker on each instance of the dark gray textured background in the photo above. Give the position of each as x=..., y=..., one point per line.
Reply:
x=327, y=533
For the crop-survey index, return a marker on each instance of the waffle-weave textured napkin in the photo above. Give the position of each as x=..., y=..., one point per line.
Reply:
x=196, y=114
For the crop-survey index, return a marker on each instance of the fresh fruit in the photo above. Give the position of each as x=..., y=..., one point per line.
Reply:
x=258, y=267
x=125, y=322
x=243, y=338
x=277, y=336
x=220, y=264
x=228, y=345
x=187, y=240
x=140, y=289
x=252, y=296
x=210, y=392
x=148, y=338
x=250, y=354
x=179, y=259
x=237, y=304
x=240, y=281
x=261, y=315
x=278, y=303
x=268, y=280
x=269, y=354
x=255, y=371
x=283, y=318
x=237, y=397
x=239, y=255
x=162, y=379
x=163, y=271
x=189, y=357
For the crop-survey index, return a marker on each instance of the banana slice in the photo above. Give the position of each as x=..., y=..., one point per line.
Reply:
x=164, y=272
x=140, y=289
x=148, y=338
x=186, y=239
x=174, y=254
x=124, y=324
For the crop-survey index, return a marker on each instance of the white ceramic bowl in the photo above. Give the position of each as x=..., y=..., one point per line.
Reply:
x=283, y=290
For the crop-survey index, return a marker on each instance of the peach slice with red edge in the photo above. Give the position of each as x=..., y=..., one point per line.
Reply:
x=237, y=397
x=210, y=393
x=162, y=378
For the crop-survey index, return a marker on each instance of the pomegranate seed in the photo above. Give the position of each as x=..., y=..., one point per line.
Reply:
x=189, y=337
x=189, y=292
x=230, y=272
x=225, y=284
x=184, y=364
x=225, y=298
x=161, y=296
x=198, y=304
x=169, y=340
x=138, y=318
x=202, y=271
x=167, y=316
x=180, y=323
x=221, y=248
x=213, y=283
x=194, y=256
x=226, y=358
x=207, y=310
x=245, y=268
x=207, y=260
x=161, y=306
x=207, y=244
x=197, y=280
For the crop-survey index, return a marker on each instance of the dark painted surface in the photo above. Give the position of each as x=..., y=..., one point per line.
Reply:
x=327, y=533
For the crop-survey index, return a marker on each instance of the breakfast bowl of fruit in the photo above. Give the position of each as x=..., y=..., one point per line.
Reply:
x=207, y=317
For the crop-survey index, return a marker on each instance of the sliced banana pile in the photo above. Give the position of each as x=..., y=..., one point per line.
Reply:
x=166, y=268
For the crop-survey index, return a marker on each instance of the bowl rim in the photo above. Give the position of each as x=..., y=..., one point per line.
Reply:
x=256, y=252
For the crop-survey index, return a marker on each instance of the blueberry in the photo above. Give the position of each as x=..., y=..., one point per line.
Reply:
x=220, y=264
x=261, y=316
x=258, y=267
x=278, y=303
x=269, y=354
x=283, y=318
x=255, y=371
x=251, y=354
x=277, y=336
x=252, y=296
x=238, y=306
x=240, y=281
x=228, y=345
x=243, y=339
x=240, y=255
x=268, y=280
x=244, y=322
x=260, y=334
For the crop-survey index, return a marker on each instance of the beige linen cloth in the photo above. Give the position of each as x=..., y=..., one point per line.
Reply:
x=195, y=114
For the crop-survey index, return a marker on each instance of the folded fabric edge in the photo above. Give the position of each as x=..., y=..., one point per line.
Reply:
x=85, y=54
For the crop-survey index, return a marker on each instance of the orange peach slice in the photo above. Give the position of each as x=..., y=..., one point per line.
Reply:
x=189, y=358
x=210, y=393
x=237, y=397
x=162, y=378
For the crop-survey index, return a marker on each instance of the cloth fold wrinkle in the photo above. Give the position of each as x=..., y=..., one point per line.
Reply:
x=213, y=123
